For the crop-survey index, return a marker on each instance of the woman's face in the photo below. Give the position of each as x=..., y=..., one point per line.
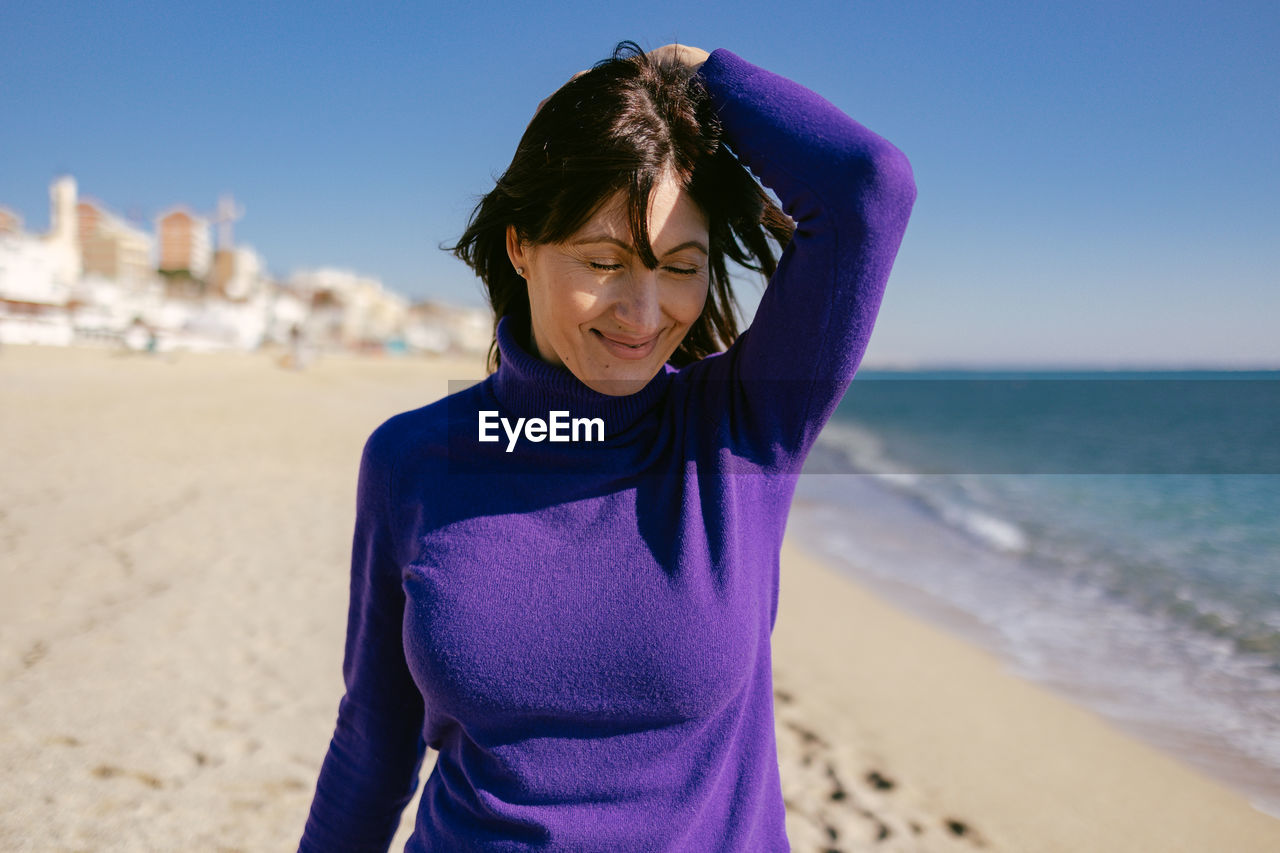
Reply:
x=597, y=309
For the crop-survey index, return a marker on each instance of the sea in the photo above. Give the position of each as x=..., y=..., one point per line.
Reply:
x=1114, y=536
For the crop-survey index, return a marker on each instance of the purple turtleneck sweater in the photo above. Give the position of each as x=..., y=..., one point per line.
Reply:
x=582, y=629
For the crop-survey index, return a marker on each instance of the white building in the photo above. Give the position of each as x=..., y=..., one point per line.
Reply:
x=238, y=273
x=34, y=291
x=103, y=309
x=38, y=274
x=438, y=329
x=348, y=309
x=63, y=238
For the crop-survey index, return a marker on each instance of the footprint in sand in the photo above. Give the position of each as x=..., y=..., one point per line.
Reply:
x=108, y=771
x=826, y=811
x=35, y=653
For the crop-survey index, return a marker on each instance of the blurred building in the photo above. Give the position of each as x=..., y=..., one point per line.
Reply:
x=237, y=274
x=41, y=269
x=437, y=329
x=33, y=295
x=346, y=309
x=38, y=273
x=112, y=248
x=63, y=239
x=10, y=221
x=94, y=278
x=185, y=243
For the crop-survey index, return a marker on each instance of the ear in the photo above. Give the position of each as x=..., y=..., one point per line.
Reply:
x=517, y=251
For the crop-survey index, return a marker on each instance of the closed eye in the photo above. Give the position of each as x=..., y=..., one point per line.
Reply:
x=682, y=271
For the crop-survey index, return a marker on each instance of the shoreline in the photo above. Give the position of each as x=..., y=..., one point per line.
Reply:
x=875, y=554
x=1034, y=770
x=175, y=535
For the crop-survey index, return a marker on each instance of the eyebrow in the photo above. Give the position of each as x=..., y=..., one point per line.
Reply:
x=605, y=238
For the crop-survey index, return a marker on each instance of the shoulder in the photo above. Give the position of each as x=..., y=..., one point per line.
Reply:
x=694, y=377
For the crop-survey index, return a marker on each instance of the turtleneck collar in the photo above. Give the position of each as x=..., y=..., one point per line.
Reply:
x=527, y=386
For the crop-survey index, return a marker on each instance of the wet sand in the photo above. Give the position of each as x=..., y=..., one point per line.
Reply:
x=174, y=541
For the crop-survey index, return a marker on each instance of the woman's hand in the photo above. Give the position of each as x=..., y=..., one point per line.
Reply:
x=680, y=53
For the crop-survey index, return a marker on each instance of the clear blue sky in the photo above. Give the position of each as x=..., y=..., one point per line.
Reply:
x=1099, y=183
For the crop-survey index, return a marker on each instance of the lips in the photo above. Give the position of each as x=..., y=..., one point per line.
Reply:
x=625, y=347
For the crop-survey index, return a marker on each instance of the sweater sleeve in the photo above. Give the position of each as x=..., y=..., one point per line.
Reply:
x=850, y=193
x=371, y=769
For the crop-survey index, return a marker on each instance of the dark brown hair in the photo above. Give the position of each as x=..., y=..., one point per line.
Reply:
x=617, y=129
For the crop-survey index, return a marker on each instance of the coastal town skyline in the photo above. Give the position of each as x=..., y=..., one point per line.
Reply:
x=183, y=238
x=95, y=278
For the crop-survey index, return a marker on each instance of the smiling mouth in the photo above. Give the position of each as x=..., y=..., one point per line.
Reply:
x=625, y=349
x=623, y=343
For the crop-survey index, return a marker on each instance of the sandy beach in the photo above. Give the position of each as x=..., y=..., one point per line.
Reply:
x=174, y=538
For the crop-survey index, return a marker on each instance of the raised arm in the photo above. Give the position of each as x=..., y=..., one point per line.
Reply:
x=371, y=769
x=850, y=193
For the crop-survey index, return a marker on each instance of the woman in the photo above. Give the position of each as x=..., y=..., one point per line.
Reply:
x=578, y=620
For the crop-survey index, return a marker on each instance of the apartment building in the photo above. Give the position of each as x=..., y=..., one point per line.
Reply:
x=112, y=248
x=185, y=243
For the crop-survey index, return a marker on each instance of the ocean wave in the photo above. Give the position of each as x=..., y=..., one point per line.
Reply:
x=862, y=452
x=999, y=534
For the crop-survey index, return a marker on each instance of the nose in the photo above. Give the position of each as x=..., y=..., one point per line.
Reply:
x=638, y=305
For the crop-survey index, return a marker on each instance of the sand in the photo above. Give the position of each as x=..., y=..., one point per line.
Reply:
x=174, y=540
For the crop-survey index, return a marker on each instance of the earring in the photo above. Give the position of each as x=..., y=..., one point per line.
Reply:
x=520, y=271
